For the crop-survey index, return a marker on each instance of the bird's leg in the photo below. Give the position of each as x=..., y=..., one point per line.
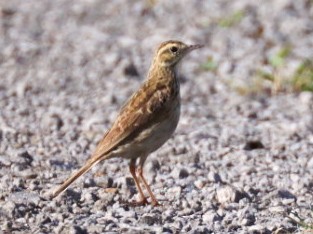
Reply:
x=140, y=174
x=132, y=168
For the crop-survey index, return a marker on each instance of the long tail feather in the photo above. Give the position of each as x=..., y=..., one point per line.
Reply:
x=75, y=176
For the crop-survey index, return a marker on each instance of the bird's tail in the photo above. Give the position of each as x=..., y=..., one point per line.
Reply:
x=93, y=161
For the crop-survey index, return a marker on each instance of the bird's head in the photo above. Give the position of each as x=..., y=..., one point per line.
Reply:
x=169, y=53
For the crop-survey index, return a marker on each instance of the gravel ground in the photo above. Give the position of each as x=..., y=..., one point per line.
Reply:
x=236, y=164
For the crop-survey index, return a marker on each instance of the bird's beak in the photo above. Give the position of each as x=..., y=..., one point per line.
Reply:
x=194, y=47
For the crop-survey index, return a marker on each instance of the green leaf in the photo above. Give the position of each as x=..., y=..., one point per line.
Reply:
x=278, y=59
x=209, y=65
x=303, y=77
x=232, y=20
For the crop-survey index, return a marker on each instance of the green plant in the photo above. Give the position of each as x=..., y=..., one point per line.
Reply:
x=209, y=65
x=278, y=59
x=302, y=79
x=232, y=20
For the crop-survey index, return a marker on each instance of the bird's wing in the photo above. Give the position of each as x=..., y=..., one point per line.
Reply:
x=136, y=115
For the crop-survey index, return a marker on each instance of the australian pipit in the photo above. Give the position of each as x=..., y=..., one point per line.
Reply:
x=146, y=121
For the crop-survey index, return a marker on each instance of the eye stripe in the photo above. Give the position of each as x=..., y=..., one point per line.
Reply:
x=166, y=47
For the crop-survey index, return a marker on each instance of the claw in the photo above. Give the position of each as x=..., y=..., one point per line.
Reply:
x=155, y=203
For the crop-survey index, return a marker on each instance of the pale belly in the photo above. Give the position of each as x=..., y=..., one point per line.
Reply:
x=151, y=138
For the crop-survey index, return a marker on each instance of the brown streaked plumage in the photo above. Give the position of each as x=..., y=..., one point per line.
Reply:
x=146, y=121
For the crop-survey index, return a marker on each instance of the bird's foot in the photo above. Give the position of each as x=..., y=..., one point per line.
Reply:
x=142, y=202
x=155, y=203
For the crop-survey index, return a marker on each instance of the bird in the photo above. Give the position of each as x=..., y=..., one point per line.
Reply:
x=146, y=121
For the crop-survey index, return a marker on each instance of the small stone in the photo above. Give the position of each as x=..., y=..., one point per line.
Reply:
x=87, y=125
x=104, y=181
x=210, y=217
x=199, y=184
x=288, y=201
x=167, y=230
x=76, y=209
x=129, y=214
x=129, y=182
x=180, y=173
x=43, y=220
x=214, y=177
x=247, y=222
x=180, y=149
x=202, y=229
x=123, y=182
x=177, y=224
x=150, y=170
x=276, y=209
x=185, y=204
x=75, y=195
x=151, y=219
x=9, y=207
x=244, y=201
x=187, y=228
x=183, y=173
x=89, y=197
x=6, y=226
x=20, y=211
x=310, y=163
x=77, y=230
x=131, y=70
x=52, y=121
x=25, y=197
x=174, y=192
x=4, y=160
x=258, y=229
x=34, y=185
x=228, y=194
x=286, y=194
x=22, y=157
x=253, y=145
x=106, y=197
x=21, y=88
x=154, y=165
x=89, y=182
x=28, y=173
x=18, y=184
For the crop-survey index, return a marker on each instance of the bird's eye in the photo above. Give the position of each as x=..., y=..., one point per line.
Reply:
x=174, y=49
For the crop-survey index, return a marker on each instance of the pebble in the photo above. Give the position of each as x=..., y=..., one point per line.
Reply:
x=228, y=194
x=199, y=184
x=258, y=228
x=151, y=219
x=210, y=217
x=286, y=194
x=183, y=173
x=4, y=161
x=214, y=177
x=276, y=209
x=151, y=169
x=89, y=182
x=179, y=173
x=89, y=197
x=77, y=230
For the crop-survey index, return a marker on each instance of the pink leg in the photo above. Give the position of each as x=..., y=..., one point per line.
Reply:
x=140, y=174
x=132, y=168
